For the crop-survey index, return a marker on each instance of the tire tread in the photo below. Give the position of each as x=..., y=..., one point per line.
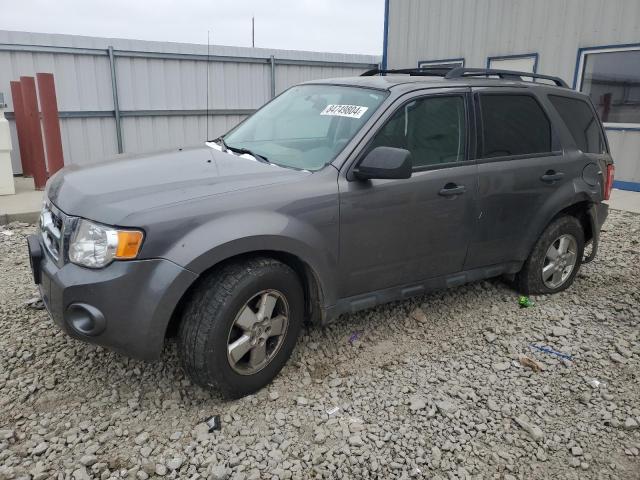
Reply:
x=206, y=302
x=528, y=280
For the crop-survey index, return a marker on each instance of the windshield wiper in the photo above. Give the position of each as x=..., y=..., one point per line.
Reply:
x=257, y=156
x=223, y=144
x=220, y=141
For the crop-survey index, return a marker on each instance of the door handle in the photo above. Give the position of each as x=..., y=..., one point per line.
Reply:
x=451, y=189
x=551, y=176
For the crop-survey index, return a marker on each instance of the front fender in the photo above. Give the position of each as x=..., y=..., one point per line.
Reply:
x=240, y=233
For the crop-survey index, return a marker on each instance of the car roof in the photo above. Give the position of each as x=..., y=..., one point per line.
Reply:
x=406, y=82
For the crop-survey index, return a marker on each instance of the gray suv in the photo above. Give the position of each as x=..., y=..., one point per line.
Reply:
x=336, y=196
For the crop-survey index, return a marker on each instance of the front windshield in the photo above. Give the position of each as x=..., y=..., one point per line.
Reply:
x=306, y=126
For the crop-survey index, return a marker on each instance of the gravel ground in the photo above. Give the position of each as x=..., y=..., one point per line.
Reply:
x=434, y=387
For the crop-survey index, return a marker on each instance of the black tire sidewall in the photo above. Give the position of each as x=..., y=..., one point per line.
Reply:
x=271, y=277
x=531, y=280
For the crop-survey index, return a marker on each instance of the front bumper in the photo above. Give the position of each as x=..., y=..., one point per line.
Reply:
x=125, y=306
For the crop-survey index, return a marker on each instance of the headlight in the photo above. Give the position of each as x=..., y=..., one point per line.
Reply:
x=95, y=246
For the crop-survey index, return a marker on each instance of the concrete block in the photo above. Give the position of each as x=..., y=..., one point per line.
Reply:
x=6, y=171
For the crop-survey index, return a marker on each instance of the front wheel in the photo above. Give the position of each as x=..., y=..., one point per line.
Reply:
x=240, y=326
x=555, y=258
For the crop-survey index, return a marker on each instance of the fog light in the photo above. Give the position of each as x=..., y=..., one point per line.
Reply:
x=85, y=319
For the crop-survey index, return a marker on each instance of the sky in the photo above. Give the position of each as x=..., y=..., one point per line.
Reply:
x=344, y=26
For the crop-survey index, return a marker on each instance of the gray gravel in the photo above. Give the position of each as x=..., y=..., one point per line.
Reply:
x=442, y=386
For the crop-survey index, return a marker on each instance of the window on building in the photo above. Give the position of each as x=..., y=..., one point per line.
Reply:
x=520, y=63
x=513, y=125
x=432, y=129
x=611, y=77
x=454, y=63
x=582, y=123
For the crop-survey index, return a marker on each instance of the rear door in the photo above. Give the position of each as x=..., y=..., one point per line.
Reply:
x=398, y=232
x=520, y=165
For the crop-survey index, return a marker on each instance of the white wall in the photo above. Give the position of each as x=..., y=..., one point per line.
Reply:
x=421, y=30
x=477, y=29
x=174, y=78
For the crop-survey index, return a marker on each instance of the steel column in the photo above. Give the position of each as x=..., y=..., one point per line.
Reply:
x=21, y=128
x=272, y=60
x=50, y=121
x=30, y=100
x=116, y=104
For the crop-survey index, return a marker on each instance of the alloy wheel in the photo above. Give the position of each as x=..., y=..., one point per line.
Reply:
x=560, y=260
x=258, y=332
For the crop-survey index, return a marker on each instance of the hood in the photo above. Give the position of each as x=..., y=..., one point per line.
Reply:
x=111, y=191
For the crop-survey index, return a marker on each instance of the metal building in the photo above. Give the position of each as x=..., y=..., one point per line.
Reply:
x=594, y=45
x=118, y=95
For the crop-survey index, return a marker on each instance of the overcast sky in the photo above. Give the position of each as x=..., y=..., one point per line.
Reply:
x=346, y=26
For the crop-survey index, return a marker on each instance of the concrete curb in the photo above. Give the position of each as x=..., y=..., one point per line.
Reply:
x=26, y=217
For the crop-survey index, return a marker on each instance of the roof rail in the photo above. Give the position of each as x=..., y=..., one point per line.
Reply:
x=420, y=71
x=461, y=72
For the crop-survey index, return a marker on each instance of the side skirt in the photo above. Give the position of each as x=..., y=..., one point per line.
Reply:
x=369, y=300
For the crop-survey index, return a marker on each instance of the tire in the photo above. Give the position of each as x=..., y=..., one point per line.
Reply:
x=219, y=314
x=532, y=280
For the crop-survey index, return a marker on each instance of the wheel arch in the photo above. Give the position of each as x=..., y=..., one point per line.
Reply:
x=579, y=210
x=578, y=207
x=314, y=294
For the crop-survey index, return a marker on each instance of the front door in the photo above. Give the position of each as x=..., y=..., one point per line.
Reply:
x=399, y=232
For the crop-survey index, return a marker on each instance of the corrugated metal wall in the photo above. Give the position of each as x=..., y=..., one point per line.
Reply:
x=162, y=87
x=421, y=30
x=625, y=149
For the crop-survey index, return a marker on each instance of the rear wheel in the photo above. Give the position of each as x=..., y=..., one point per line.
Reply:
x=555, y=258
x=241, y=325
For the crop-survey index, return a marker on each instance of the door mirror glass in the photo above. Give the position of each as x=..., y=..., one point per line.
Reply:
x=385, y=163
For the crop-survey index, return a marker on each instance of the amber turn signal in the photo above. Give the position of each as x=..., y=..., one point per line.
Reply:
x=129, y=243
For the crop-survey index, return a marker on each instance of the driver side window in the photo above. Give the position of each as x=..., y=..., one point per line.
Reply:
x=431, y=128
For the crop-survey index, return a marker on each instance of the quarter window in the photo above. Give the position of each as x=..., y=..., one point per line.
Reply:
x=513, y=125
x=432, y=129
x=581, y=122
x=520, y=63
x=457, y=62
x=612, y=80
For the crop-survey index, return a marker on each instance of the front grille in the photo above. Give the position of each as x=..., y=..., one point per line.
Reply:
x=52, y=223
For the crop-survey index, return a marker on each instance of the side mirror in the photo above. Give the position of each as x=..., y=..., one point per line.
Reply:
x=385, y=163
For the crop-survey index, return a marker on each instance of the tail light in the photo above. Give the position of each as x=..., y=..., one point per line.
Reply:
x=608, y=185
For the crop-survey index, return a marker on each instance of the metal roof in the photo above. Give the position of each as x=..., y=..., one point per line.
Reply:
x=388, y=82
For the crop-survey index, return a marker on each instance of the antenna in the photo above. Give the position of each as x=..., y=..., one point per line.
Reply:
x=253, y=32
x=208, y=58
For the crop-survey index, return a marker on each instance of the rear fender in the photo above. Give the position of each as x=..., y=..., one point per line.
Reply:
x=571, y=193
x=597, y=214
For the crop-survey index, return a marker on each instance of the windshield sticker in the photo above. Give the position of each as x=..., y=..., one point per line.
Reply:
x=351, y=111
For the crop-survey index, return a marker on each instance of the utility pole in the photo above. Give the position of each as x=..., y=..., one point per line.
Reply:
x=253, y=32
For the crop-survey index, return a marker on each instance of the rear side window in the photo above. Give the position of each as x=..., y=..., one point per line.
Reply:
x=513, y=125
x=582, y=123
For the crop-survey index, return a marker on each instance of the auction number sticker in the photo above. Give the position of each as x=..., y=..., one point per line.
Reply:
x=351, y=111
